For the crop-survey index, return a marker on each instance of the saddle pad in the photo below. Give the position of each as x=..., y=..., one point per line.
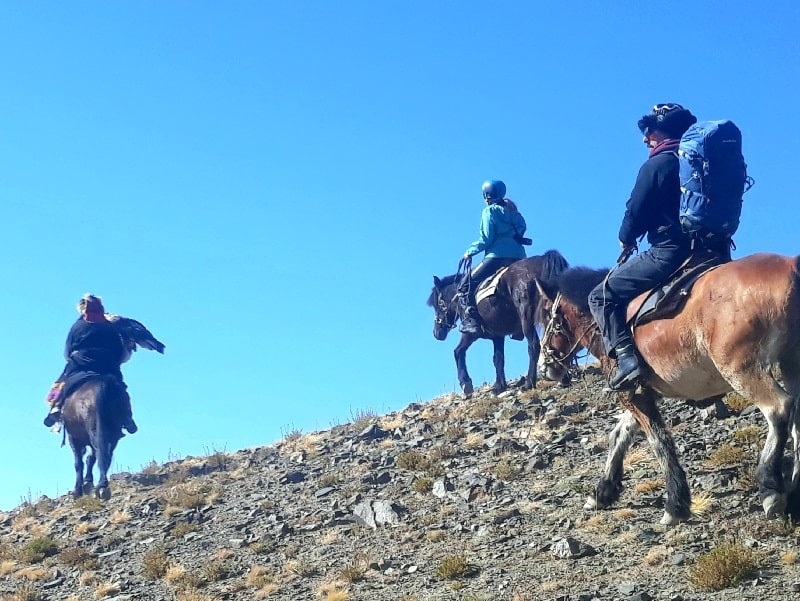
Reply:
x=488, y=286
x=666, y=300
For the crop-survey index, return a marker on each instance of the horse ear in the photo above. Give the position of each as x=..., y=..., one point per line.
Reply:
x=437, y=282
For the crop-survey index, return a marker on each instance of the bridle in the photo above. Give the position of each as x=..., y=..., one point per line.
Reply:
x=444, y=309
x=556, y=325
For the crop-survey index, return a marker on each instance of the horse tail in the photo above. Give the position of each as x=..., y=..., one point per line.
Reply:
x=108, y=420
x=553, y=264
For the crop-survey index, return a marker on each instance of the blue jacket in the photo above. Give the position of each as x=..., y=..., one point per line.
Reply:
x=496, y=237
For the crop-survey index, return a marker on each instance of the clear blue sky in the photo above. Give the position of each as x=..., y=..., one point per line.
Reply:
x=270, y=187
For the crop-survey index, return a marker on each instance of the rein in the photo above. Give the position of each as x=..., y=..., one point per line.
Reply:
x=464, y=269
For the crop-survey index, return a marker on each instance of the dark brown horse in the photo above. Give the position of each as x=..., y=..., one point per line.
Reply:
x=93, y=417
x=511, y=310
x=738, y=331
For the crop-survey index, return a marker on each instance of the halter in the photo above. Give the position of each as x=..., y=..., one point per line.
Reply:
x=556, y=326
x=464, y=268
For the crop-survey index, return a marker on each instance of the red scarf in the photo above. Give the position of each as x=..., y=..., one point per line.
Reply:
x=664, y=146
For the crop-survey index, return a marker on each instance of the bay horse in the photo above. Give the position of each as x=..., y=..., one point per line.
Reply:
x=739, y=330
x=93, y=417
x=511, y=310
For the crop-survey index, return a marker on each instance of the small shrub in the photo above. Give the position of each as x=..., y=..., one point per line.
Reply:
x=301, y=568
x=422, y=485
x=723, y=566
x=259, y=577
x=291, y=434
x=507, y=471
x=353, y=573
x=328, y=480
x=748, y=435
x=119, y=517
x=362, y=419
x=214, y=571
x=441, y=453
x=453, y=567
x=85, y=528
x=107, y=590
x=454, y=432
x=25, y=592
x=413, y=461
x=262, y=547
x=736, y=402
x=726, y=455
x=155, y=563
x=39, y=548
x=79, y=557
x=435, y=536
x=181, y=529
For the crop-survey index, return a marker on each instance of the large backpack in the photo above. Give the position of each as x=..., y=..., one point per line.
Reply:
x=713, y=178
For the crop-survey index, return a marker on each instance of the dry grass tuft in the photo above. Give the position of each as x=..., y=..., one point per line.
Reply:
x=120, y=517
x=422, y=485
x=155, y=563
x=702, y=503
x=656, y=556
x=181, y=529
x=25, y=592
x=507, y=471
x=736, y=402
x=435, y=536
x=107, y=590
x=79, y=557
x=32, y=573
x=475, y=441
x=259, y=577
x=85, y=528
x=724, y=566
x=625, y=514
x=789, y=558
x=87, y=578
x=454, y=567
x=413, y=461
x=649, y=486
x=88, y=503
x=267, y=590
x=639, y=457
x=726, y=455
x=748, y=435
x=7, y=566
x=193, y=596
x=353, y=572
x=596, y=522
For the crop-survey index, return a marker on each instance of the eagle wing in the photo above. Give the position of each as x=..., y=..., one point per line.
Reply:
x=133, y=334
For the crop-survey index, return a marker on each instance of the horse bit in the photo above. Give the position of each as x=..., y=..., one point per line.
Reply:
x=556, y=326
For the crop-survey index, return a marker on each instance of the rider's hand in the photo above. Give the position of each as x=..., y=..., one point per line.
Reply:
x=466, y=255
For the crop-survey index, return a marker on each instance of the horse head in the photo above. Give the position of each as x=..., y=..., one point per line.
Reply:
x=443, y=301
x=567, y=323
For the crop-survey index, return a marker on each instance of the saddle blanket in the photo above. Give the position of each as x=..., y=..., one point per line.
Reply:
x=488, y=286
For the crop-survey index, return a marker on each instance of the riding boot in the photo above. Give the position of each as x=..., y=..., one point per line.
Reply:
x=469, y=316
x=54, y=416
x=127, y=420
x=628, y=369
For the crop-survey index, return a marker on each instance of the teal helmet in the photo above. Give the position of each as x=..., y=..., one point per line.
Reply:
x=494, y=190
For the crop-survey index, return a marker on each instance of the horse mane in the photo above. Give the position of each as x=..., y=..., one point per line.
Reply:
x=553, y=263
x=446, y=281
x=576, y=283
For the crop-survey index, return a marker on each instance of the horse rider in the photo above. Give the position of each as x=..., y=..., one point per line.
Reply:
x=501, y=239
x=93, y=348
x=652, y=209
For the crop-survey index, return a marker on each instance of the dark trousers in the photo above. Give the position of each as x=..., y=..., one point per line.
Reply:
x=609, y=300
x=485, y=269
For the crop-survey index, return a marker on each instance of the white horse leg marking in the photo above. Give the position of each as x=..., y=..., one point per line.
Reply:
x=619, y=441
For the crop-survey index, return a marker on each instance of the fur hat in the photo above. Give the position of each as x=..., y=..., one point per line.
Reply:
x=90, y=305
x=669, y=118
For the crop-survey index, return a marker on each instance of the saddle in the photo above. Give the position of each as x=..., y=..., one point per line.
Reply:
x=668, y=299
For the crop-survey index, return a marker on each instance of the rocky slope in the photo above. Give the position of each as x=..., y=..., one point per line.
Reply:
x=470, y=500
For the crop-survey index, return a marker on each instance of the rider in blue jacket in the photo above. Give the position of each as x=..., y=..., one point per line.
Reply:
x=501, y=240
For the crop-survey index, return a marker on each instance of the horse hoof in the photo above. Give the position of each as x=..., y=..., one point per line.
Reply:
x=88, y=487
x=103, y=493
x=468, y=390
x=591, y=504
x=77, y=493
x=774, y=505
x=669, y=520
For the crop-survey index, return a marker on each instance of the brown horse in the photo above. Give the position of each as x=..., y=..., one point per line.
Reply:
x=93, y=417
x=738, y=331
x=511, y=310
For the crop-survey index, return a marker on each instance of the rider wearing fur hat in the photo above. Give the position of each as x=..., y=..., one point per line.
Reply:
x=652, y=210
x=94, y=347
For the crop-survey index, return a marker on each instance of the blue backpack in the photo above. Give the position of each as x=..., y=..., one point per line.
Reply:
x=713, y=178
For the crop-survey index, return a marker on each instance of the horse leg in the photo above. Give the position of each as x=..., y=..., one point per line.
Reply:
x=77, y=452
x=679, y=499
x=499, y=360
x=88, y=479
x=534, y=350
x=778, y=408
x=460, y=354
x=609, y=487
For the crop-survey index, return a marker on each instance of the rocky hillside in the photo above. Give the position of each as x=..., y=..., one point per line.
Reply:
x=453, y=499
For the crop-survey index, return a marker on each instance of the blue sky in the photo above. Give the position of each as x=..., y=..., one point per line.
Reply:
x=270, y=187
